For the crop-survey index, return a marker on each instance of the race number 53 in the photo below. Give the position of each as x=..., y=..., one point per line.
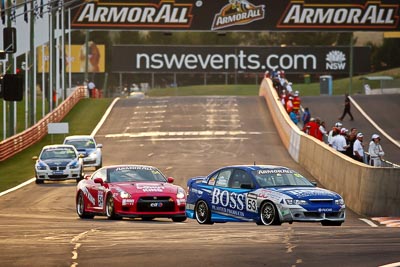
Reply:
x=251, y=204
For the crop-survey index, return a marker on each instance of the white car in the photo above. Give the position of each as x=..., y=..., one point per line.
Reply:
x=58, y=163
x=87, y=146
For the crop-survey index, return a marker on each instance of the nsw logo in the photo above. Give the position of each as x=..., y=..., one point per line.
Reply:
x=335, y=60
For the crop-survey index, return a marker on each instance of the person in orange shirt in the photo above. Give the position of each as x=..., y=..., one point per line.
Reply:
x=296, y=102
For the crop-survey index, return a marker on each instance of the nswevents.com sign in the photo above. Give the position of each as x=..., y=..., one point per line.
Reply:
x=243, y=59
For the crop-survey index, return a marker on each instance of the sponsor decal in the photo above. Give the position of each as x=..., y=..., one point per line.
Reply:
x=89, y=196
x=325, y=210
x=165, y=14
x=228, y=199
x=134, y=168
x=373, y=14
x=150, y=187
x=156, y=205
x=237, y=12
x=233, y=203
x=309, y=193
x=335, y=60
x=128, y=202
x=273, y=171
x=269, y=194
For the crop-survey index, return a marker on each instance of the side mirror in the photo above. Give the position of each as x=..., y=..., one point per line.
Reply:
x=86, y=177
x=99, y=146
x=81, y=156
x=98, y=181
x=170, y=180
x=35, y=158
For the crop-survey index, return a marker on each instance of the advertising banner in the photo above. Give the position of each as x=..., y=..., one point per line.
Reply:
x=239, y=15
x=76, y=61
x=296, y=59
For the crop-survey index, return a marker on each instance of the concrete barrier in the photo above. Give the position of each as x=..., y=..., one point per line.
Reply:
x=367, y=190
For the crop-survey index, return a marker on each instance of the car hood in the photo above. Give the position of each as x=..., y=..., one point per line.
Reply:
x=307, y=193
x=58, y=162
x=146, y=187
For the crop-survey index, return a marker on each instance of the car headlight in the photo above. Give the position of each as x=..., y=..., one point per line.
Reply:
x=74, y=165
x=41, y=166
x=339, y=201
x=124, y=194
x=296, y=202
x=181, y=193
x=93, y=154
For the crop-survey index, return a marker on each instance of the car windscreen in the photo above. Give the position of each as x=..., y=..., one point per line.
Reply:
x=58, y=153
x=81, y=144
x=134, y=174
x=280, y=177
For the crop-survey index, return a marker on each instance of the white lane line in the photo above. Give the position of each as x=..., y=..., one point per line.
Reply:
x=182, y=133
x=369, y=222
x=104, y=117
x=394, y=264
x=374, y=124
x=17, y=187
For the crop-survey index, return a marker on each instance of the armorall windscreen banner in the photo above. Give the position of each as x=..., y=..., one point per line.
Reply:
x=214, y=59
x=239, y=15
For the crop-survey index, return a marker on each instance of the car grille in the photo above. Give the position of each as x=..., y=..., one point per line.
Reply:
x=57, y=168
x=155, y=204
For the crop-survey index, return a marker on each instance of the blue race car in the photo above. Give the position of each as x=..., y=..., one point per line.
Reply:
x=265, y=194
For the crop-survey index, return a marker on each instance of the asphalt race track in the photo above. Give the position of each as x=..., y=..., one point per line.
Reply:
x=183, y=137
x=382, y=109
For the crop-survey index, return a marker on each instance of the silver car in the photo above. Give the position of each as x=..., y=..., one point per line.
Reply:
x=58, y=163
x=87, y=146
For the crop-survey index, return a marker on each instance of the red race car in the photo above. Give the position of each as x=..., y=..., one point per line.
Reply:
x=134, y=191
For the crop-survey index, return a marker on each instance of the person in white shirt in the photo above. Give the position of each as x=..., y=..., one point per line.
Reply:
x=375, y=151
x=339, y=141
x=358, y=148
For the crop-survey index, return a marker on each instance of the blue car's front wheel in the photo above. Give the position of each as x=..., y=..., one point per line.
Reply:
x=269, y=214
x=202, y=212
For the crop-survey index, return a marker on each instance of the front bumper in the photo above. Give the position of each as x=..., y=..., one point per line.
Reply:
x=58, y=175
x=302, y=215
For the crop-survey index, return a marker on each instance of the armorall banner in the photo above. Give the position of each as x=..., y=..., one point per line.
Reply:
x=222, y=59
x=238, y=15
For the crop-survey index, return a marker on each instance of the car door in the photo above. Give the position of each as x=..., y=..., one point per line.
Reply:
x=229, y=193
x=97, y=190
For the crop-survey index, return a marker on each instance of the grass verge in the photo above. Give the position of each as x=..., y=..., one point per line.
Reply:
x=82, y=119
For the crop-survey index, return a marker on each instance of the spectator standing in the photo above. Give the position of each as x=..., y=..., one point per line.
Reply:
x=351, y=138
x=358, y=148
x=346, y=109
x=296, y=102
x=289, y=105
x=339, y=141
x=323, y=131
x=91, y=86
x=375, y=151
x=283, y=98
x=333, y=132
x=312, y=128
x=306, y=116
x=294, y=117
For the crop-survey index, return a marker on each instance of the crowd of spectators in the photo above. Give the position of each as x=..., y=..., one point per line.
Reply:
x=348, y=142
